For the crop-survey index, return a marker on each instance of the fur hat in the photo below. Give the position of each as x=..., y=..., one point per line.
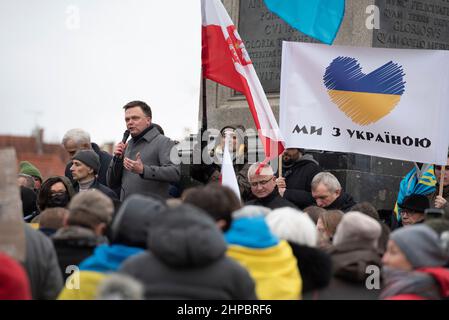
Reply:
x=356, y=227
x=90, y=208
x=293, y=225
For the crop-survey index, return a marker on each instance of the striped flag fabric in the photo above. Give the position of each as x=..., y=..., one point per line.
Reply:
x=226, y=61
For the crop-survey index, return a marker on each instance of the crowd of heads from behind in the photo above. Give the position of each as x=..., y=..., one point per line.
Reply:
x=135, y=225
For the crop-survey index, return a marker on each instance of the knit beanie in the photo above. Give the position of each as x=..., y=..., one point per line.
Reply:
x=421, y=245
x=293, y=225
x=356, y=227
x=27, y=168
x=14, y=283
x=89, y=158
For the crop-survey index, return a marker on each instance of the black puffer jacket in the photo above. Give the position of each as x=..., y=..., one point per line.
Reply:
x=186, y=260
x=315, y=266
x=298, y=179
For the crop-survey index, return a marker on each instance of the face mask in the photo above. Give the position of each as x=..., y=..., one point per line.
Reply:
x=58, y=200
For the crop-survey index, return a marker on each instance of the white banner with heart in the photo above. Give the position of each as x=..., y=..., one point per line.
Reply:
x=391, y=103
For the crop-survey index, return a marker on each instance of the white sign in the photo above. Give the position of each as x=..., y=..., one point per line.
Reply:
x=391, y=103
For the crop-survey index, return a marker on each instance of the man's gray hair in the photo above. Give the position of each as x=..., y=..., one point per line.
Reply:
x=266, y=170
x=79, y=136
x=328, y=179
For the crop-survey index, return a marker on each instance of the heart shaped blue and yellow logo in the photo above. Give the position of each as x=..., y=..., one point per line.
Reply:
x=365, y=98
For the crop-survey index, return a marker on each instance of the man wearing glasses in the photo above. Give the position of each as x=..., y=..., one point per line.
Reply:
x=412, y=209
x=263, y=187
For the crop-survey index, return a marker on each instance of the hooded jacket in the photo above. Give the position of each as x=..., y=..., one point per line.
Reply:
x=298, y=178
x=186, y=260
x=270, y=262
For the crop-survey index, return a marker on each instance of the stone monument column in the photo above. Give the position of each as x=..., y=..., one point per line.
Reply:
x=403, y=24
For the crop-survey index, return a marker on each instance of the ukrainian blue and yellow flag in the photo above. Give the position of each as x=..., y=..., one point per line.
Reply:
x=320, y=19
x=364, y=98
x=416, y=182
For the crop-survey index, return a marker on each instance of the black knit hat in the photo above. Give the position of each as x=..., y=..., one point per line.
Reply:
x=416, y=203
x=89, y=158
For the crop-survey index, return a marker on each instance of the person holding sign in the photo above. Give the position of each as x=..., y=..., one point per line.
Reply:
x=440, y=198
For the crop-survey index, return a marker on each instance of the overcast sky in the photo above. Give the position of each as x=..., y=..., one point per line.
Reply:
x=67, y=64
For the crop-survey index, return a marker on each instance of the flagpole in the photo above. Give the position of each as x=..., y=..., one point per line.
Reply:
x=204, y=118
x=443, y=171
x=280, y=165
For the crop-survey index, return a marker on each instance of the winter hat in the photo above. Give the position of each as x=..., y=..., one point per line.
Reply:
x=27, y=168
x=415, y=202
x=356, y=227
x=293, y=225
x=90, y=208
x=120, y=287
x=89, y=158
x=421, y=245
x=14, y=284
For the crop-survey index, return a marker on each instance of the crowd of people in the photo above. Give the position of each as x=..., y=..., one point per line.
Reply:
x=121, y=226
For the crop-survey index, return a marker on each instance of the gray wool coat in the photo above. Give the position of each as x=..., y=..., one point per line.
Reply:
x=159, y=170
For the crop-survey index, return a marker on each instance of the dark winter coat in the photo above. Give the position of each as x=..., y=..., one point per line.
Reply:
x=314, y=265
x=186, y=260
x=41, y=265
x=349, y=264
x=73, y=244
x=298, y=179
x=159, y=170
x=344, y=203
x=272, y=201
x=99, y=186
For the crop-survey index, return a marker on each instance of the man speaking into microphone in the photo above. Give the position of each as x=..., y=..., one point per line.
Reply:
x=142, y=165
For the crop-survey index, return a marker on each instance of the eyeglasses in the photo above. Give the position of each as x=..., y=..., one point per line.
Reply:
x=262, y=183
x=439, y=167
x=408, y=212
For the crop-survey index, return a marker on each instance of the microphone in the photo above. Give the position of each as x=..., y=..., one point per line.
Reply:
x=125, y=137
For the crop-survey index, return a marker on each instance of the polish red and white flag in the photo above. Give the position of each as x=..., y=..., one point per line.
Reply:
x=227, y=176
x=226, y=61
